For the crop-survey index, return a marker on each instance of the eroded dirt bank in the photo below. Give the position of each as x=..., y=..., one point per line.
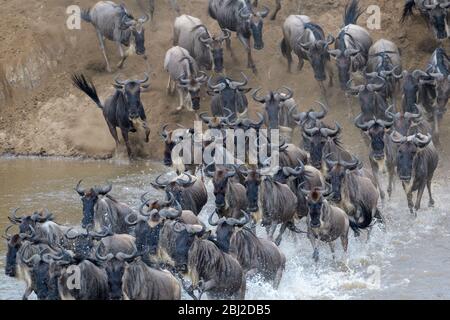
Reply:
x=41, y=113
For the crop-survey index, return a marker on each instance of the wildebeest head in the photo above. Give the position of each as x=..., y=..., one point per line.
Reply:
x=442, y=84
x=131, y=91
x=272, y=103
x=216, y=122
x=221, y=177
x=171, y=139
x=410, y=88
x=437, y=17
x=409, y=147
x=344, y=63
x=14, y=242
x=375, y=129
x=226, y=227
x=115, y=266
x=317, y=53
x=193, y=84
x=26, y=223
x=231, y=93
x=255, y=23
x=136, y=27
x=84, y=242
x=367, y=95
x=176, y=187
x=403, y=120
x=252, y=183
x=337, y=172
x=318, y=137
x=89, y=199
x=315, y=199
x=247, y=123
x=214, y=47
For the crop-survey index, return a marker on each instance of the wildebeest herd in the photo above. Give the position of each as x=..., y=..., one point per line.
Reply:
x=164, y=248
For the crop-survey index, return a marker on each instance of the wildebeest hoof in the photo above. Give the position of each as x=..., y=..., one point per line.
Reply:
x=179, y=108
x=431, y=204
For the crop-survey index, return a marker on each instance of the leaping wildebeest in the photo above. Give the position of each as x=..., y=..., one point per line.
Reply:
x=256, y=255
x=325, y=222
x=185, y=76
x=115, y=23
x=102, y=210
x=190, y=33
x=123, y=109
x=434, y=11
x=352, y=45
x=239, y=17
x=417, y=160
x=308, y=42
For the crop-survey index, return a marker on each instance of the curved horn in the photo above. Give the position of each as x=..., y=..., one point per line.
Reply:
x=226, y=34
x=103, y=190
x=397, y=140
x=14, y=218
x=351, y=52
x=144, y=18
x=365, y=125
x=321, y=114
x=419, y=73
x=331, y=132
x=244, y=15
x=210, y=219
x=289, y=95
x=353, y=88
x=184, y=182
x=118, y=82
x=66, y=234
x=218, y=86
x=146, y=78
x=127, y=219
x=8, y=236
x=159, y=183
x=238, y=84
x=421, y=140
x=80, y=191
x=99, y=257
x=311, y=131
x=335, y=53
x=256, y=98
x=164, y=132
x=239, y=222
x=391, y=115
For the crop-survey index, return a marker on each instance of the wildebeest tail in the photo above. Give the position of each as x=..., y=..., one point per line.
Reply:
x=86, y=15
x=87, y=87
x=283, y=47
x=407, y=10
x=365, y=213
x=352, y=12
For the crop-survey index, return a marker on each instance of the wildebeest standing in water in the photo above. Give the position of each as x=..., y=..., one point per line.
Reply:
x=434, y=11
x=185, y=76
x=115, y=23
x=256, y=255
x=102, y=210
x=417, y=159
x=239, y=17
x=325, y=222
x=122, y=109
x=352, y=45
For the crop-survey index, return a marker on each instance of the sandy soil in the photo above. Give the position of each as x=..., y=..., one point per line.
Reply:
x=42, y=113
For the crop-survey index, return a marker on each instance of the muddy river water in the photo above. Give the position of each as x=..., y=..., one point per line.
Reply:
x=409, y=261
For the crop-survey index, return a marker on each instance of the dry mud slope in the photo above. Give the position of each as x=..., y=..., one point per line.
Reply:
x=41, y=113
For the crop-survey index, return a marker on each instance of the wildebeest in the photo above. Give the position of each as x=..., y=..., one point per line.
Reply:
x=277, y=8
x=277, y=202
x=379, y=155
x=228, y=94
x=272, y=104
x=191, y=34
x=307, y=40
x=115, y=23
x=122, y=109
x=417, y=159
x=306, y=176
x=412, y=82
x=230, y=194
x=352, y=45
x=385, y=61
x=130, y=278
x=255, y=255
x=191, y=194
x=185, y=76
x=352, y=192
x=434, y=11
x=239, y=17
x=151, y=6
x=102, y=210
x=325, y=222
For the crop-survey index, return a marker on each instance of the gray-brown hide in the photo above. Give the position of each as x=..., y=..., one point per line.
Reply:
x=115, y=23
x=273, y=106
x=190, y=33
x=217, y=273
x=149, y=5
x=255, y=255
x=325, y=222
x=354, y=193
x=277, y=8
x=417, y=160
x=185, y=77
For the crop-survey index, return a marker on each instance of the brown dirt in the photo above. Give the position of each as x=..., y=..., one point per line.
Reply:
x=41, y=112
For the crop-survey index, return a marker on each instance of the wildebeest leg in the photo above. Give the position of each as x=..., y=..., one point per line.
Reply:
x=146, y=130
x=431, y=201
x=272, y=229
x=330, y=73
x=122, y=60
x=181, y=98
x=301, y=62
x=280, y=234
x=376, y=175
x=344, y=241
x=101, y=40
x=419, y=196
x=28, y=292
x=391, y=174
x=313, y=241
x=127, y=142
x=246, y=42
x=169, y=86
x=409, y=198
x=278, y=276
x=113, y=131
x=332, y=247
x=228, y=44
x=277, y=8
x=175, y=6
x=205, y=286
x=243, y=288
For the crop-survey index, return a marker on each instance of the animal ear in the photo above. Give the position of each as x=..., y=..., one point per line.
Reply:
x=206, y=235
